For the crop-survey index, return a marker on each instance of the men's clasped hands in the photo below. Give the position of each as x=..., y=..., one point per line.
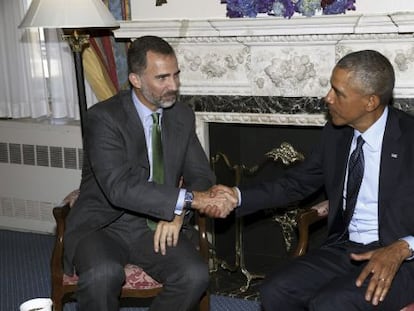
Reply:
x=218, y=202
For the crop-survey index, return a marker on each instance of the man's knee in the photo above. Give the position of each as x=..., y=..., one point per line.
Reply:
x=271, y=293
x=198, y=275
x=104, y=277
x=266, y=291
x=338, y=299
x=192, y=277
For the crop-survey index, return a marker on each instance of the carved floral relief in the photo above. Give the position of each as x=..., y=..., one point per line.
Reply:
x=291, y=71
x=281, y=65
x=404, y=59
x=215, y=64
x=401, y=57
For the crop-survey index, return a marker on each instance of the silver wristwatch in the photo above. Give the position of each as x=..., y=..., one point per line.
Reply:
x=188, y=199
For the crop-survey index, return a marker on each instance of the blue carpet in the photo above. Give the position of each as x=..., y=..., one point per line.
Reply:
x=218, y=303
x=25, y=274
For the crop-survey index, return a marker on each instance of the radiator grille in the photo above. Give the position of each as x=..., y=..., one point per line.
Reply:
x=40, y=155
x=80, y=157
x=70, y=158
x=15, y=153
x=26, y=209
x=28, y=155
x=56, y=157
x=4, y=153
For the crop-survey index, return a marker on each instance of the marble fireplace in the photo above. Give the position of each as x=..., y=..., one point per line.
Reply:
x=271, y=70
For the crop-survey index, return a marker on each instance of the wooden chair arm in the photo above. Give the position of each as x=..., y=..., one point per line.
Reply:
x=201, y=222
x=59, y=213
x=305, y=219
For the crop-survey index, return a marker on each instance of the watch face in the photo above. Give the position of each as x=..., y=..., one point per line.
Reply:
x=188, y=196
x=188, y=199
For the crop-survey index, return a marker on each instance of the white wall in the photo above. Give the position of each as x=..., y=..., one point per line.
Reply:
x=206, y=9
x=383, y=6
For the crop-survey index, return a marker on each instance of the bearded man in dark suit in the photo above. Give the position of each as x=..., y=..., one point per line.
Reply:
x=123, y=213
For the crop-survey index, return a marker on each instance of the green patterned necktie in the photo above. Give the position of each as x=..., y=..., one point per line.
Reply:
x=157, y=160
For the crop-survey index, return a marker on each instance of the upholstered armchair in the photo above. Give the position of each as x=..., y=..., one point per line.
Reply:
x=138, y=284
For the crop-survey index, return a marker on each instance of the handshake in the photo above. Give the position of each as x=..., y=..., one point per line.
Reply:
x=216, y=202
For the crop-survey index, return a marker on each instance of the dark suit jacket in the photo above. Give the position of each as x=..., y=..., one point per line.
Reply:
x=116, y=167
x=326, y=167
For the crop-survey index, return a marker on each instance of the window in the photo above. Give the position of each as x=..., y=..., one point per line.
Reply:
x=36, y=70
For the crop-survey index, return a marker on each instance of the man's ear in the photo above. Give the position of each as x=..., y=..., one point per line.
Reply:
x=135, y=80
x=373, y=102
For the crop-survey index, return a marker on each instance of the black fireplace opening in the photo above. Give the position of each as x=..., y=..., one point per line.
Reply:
x=264, y=246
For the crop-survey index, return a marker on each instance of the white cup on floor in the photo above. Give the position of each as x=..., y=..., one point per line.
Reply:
x=37, y=304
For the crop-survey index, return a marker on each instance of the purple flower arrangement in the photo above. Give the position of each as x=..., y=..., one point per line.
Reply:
x=286, y=8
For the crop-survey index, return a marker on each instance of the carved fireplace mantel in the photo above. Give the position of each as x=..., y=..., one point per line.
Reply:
x=273, y=70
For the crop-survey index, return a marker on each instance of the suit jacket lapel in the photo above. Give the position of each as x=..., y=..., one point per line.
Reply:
x=172, y=131
x=135, y=130
x=390, y=165
x=342, y=144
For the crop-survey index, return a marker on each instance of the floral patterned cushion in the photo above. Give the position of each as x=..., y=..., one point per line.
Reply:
x=410, y=307
x=135, y=278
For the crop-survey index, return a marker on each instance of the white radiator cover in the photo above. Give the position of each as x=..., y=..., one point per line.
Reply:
x=39, y=165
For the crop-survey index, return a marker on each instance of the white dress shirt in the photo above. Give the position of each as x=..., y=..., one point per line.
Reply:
x=363, y=227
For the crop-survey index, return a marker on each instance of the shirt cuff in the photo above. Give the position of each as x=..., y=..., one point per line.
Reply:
x=179, y=206
x=238, y=196
x=410, y=240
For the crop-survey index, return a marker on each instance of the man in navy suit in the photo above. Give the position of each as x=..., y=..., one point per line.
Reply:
x=123, y=214
x=365, y=264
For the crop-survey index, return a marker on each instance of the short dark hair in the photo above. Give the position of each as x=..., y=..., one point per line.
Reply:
x=372, y=73
x=137, y=52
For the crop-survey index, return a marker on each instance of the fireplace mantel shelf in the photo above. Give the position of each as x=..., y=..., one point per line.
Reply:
x=402, y=22
x=272, y=70
x=275, y=56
